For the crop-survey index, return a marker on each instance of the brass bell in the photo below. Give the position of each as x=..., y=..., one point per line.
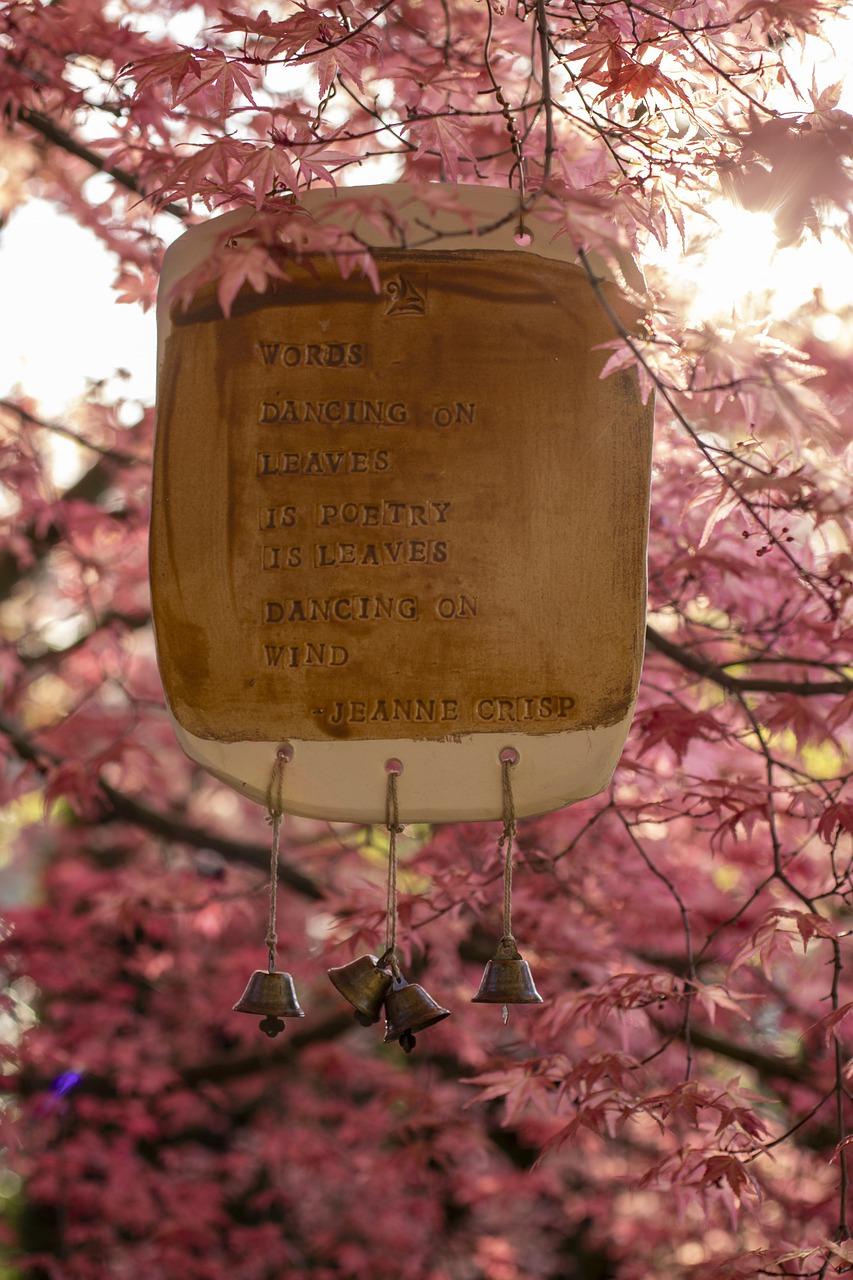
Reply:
x=273, y=996
x=507, y=978
x=365, y=983
x=408, y=1009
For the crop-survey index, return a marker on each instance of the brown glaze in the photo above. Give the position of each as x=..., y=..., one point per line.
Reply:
x=436, y=469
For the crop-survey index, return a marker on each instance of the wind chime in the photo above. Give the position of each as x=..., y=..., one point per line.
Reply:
x=350, y=623
x=373, y=983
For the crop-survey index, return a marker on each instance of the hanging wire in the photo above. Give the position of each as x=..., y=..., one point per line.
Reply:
x=393, y=769
x=506, y=946
x=508, y=758
x=275, y=814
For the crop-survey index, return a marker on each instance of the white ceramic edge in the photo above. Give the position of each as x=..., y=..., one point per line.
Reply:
x=439, y=779
x=445, y=781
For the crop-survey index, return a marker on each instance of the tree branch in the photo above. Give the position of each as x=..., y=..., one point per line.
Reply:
x=768, y=1065
x=124, y=808
x=744, y=684
x=216, y=1071
x=45, y=655
x=91, y=486
x=31, y=420
x=815, y=584
x=60, y=138
x=547, y=100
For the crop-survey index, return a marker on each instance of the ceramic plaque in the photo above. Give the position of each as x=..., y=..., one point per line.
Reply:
x=408, y=522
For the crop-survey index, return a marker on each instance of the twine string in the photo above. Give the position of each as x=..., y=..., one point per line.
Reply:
x=392, y=822
x=275, y=814
x=506, y=843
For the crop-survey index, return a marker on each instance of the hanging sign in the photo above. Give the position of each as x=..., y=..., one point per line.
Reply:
x=408, y=522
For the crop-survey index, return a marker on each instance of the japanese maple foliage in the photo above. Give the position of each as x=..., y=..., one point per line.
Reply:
x=679, y=1104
